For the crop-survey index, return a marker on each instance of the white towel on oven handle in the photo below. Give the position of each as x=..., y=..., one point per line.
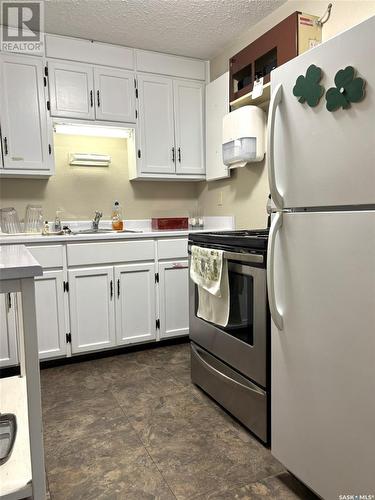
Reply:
x=213, y=288
x=206, y=268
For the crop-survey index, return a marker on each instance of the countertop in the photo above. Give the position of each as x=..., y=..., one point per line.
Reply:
x=210, y=224
x=16, y=262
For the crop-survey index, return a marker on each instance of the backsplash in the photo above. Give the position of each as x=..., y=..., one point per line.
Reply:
x=79, y=191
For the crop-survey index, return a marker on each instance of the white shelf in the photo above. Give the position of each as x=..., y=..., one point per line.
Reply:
x=15, y=474
x=248, y=99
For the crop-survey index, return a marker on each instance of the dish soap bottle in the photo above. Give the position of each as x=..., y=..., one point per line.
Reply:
x=117, y=223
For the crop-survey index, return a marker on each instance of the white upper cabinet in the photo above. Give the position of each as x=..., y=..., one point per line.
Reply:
x=171, y=143
x=135, y=303
x=217, y=106
x=88, y=51
x=156, y=124
x=23, y=116
x=91, y=93
x=188, y=105
x=114, y=94
x=171, y=65
x=71, y=90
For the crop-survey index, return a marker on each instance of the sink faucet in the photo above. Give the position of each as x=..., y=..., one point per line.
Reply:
x=96, y=220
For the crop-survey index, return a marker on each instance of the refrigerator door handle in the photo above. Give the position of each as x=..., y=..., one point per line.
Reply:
x=275, y=101
x=275, y=313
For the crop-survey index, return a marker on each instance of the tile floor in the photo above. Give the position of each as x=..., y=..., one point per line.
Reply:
x=133, y=427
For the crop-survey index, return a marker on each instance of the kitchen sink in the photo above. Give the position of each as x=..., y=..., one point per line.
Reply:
x=103, y=231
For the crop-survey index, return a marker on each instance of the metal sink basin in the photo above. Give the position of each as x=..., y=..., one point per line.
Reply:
x=92, y=231
x=103, y=231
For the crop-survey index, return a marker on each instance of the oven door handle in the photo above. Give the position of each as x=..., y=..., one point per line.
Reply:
x=275, y=313
x=274, y=103
x=241, y=257
x=249, y=385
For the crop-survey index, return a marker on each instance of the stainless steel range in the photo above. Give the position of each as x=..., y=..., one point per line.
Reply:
x=231, y=363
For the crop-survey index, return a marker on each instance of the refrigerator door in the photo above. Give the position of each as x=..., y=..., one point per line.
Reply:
x=319, y=158
x=323, y=370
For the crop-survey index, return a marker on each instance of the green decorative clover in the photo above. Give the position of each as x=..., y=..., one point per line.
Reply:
x=307, y=88
x=348, y=89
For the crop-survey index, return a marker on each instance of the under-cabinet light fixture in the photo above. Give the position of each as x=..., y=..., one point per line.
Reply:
x=90, y=130
x=89, y=160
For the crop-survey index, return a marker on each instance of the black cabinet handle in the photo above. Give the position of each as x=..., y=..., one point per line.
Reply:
x=179, y=155
x=173, y=155
x=118, y=288
x=9, y=301
x=91, y=99
x=98, y=97
x=111, y=287
x=5, y=146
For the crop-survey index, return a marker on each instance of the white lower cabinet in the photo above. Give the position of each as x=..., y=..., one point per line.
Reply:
x=135, y=303
x=174, y=298
x=50, y=314
x=102, y=306
x=8, y=330
x=92, y=308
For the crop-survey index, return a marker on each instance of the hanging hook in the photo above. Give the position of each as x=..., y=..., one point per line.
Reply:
x=327, y=14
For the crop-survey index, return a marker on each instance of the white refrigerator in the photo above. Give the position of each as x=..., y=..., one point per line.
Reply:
x=321, y=272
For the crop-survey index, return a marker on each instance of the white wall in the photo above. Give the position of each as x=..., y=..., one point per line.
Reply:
x=245, y=193
x=79, y=191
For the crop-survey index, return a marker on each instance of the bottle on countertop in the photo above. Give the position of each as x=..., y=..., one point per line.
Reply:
x=57, y=226
x=117, y=223
x=45, y=228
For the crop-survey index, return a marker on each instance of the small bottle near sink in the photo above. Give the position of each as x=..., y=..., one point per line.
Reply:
x=117, y=222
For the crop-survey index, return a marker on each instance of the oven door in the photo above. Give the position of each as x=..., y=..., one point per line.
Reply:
x=243, y=342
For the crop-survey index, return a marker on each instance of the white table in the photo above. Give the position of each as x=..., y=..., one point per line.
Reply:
x=23, y=475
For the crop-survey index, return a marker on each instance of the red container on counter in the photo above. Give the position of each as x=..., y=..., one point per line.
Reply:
x=169, y=223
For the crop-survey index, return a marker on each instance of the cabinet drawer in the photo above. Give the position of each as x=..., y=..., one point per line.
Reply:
x=48, y=255
x=238, y=395
x=173, y=248
x=103, y=253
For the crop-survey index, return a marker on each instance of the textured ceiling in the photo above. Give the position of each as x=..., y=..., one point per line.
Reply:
x=196, y=28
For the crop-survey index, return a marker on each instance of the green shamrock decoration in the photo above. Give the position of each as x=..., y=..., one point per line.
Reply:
x=348, y=89
x=307, y=88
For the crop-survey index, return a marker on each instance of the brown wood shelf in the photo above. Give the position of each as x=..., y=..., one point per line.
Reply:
x=283, y=42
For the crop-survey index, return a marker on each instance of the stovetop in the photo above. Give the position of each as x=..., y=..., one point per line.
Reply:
x=247, y=239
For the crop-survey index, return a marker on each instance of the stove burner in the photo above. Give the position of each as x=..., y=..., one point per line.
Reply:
x=246, y=233
x=249, y=239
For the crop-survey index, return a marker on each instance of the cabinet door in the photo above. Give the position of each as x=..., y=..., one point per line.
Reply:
x=114, y=95
x=71, y=90
x=92, y=311
x=135, y=303
x=156, y=124
x=174, y=298
x=8, y=330
x=50, y=314
x=23, y=114
x=188, y=105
